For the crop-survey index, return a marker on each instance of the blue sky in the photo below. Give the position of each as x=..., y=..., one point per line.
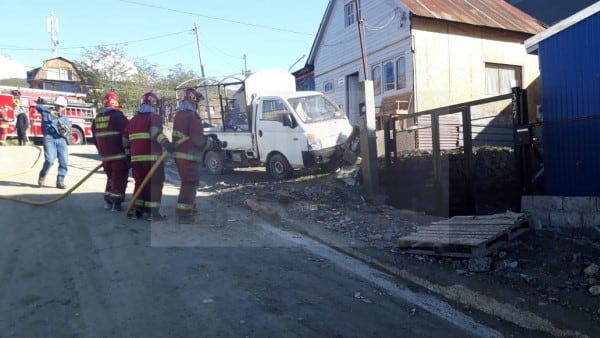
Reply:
x=271, y=33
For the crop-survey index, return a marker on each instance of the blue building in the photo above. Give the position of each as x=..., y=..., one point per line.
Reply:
x=569, y=60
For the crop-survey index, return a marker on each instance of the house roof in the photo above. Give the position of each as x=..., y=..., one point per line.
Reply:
x=486, y=13
x=532, y=44
x=497, y=14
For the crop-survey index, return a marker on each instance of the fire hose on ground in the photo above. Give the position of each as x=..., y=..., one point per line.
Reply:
x=47, y=202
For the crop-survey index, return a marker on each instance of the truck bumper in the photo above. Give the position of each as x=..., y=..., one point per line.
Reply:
x=316, y=158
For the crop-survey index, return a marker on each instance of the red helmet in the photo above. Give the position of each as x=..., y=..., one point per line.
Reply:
x=150, y=98
x=191, y=95
x=111, y=100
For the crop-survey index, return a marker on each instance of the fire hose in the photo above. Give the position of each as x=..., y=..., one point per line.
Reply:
x=153, y=169
x=47, y=202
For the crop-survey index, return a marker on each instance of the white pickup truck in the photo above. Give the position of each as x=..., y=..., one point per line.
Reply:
x=271, y=124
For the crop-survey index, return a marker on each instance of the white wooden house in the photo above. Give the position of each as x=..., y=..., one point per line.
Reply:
x=424, y=54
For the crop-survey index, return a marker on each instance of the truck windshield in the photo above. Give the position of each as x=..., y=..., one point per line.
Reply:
x=315, y=108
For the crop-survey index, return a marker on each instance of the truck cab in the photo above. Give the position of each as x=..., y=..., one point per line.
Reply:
x=279, y=127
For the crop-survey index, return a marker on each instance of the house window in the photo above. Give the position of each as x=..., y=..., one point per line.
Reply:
x=376, y=75
x=389, y=76
x=499, y=79
x=59, y=74
x=349, y=14
x=400, y=73
x=328, y=86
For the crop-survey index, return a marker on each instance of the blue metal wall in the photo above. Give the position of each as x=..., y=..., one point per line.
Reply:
x=570, y=80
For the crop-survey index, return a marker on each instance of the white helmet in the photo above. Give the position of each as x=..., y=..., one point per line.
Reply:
x=60, y=101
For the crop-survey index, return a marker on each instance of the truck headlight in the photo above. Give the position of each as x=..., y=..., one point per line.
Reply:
x=314, y=143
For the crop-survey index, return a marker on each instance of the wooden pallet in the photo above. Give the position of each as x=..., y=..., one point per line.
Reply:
x=466, y=236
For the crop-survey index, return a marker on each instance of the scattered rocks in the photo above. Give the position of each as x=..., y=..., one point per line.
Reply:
x=480, y=264
x=591, y=270
x=595, y=290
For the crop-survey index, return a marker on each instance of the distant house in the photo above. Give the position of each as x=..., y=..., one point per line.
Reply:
x=57, y=74
x=423, y=54
x=570, y=86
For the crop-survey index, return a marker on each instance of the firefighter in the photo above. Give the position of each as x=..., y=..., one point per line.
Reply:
x=4, y=120
x=109, y=130
x=146, y=143
x=188, y=135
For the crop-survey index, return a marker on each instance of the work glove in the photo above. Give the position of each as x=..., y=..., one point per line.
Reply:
x=168, y=146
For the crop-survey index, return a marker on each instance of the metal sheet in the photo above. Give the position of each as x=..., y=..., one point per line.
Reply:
x=570, y=68
x=487, y=13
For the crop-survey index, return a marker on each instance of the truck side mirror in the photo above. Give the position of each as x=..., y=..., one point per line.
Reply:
x=289, y=121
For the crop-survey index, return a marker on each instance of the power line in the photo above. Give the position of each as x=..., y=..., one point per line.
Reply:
x=217, y=18
x=12, y=47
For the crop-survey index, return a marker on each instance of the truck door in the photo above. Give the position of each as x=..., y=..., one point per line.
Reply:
x=272, y=135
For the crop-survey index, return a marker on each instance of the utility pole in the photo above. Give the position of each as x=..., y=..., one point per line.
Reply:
x=368, y=132
x=361, y=38
x=203, y=75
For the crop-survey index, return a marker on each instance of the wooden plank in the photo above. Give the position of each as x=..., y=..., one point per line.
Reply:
x=464, y=236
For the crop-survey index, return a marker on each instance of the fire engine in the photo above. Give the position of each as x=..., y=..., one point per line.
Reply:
x=13, y=100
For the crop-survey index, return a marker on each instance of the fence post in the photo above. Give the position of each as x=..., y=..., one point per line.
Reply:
x=468, y=160
x=522, y=141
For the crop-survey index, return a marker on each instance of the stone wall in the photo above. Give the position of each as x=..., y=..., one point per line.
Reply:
x=573, y=215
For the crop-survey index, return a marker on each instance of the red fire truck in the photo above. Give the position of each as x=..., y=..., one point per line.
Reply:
x=13, y=100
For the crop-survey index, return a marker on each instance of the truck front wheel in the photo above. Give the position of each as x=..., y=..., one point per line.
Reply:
x=213, y=161
x=76, y=137
x=279, y=167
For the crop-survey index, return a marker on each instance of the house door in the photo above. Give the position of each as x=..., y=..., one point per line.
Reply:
x=353, y=98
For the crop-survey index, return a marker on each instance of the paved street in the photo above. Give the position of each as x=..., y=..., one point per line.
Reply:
x=74, y=269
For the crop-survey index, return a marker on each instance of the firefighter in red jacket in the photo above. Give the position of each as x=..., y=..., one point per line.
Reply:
x=4, y=120
x=188, y=135
x=146, y=143
x=109, y=129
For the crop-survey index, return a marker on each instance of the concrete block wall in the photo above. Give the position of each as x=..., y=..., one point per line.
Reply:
x=563, y=213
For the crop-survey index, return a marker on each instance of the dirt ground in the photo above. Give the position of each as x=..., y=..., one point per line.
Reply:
x=541, y=280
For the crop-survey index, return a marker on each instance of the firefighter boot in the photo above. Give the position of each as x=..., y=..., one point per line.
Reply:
x=116, y=206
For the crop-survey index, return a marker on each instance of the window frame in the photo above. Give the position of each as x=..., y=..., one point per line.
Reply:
x=388, y=84
x=349, y=14
x=376, y=75
x=400, y=76
x=499, y=87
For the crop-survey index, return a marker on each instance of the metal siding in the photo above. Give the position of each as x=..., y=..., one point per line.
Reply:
x=487, y=13
x=570, y=68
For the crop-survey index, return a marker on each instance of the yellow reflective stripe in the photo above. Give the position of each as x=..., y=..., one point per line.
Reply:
x=183, y=206
x=107, y=133
x=139, y=136
x=160, y=138
x=113, y=157
x=142, y=158
x=102, y=118
x=139, y=203
x=186, y=156
x=152, y=204
x=177, y=133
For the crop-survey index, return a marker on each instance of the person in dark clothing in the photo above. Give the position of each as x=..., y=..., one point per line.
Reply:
x=22, y=126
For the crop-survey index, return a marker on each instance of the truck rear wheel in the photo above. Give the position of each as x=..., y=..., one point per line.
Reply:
x=213, y=161
x=279, y=167
x=76, y=137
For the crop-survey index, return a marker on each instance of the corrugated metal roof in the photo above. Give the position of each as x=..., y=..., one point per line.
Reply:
x=487, y=13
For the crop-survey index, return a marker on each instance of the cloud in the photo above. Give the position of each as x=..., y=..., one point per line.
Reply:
x=10, y=68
